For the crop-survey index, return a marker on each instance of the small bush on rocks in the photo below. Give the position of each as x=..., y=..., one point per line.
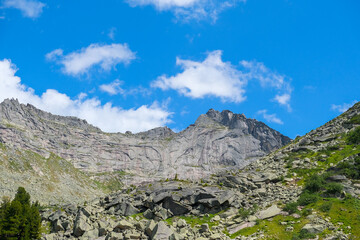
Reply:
x=291, y=207
x=354, y=136
x=315, y=184
x=325, y=207
x=334, y=189
x=307, y=198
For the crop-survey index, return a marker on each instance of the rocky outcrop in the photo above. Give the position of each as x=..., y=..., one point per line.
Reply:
x=217, y=141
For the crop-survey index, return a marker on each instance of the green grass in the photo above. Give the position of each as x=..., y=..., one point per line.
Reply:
x=347, y=211
x=273, y=229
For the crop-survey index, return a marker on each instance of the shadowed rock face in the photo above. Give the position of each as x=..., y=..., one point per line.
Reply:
x=217, y=141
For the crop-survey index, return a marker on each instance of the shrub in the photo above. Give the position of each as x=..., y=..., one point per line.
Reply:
x=334, y=188
x=325, y=207
x=307, y=198
x=306, y=212
x=291, y=207
x=304, y=234
x=244, y=213
x=355, y=119
x=354, y=136
x=332, y=148
x=314, y=184
x=350, y=170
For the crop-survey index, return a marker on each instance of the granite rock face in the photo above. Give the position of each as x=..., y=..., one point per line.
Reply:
x=217, y=141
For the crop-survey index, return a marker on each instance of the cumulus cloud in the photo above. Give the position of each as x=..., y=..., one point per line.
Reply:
x=189, y=9
x=106, y=116
x=113, y=88
x=29, y=8
x=342, y=107
x=82, y=61
x=270, y=117
x=213, y=77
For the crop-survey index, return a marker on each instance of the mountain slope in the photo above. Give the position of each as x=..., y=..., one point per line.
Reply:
x=315, y=180
x=217, y=141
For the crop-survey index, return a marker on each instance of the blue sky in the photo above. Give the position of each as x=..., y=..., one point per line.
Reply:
x=138, y=64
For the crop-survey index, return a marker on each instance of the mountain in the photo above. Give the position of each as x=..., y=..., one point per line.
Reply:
x=77, y=157
x=309, y=189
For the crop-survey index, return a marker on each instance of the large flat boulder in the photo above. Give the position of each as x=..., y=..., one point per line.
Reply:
x=269, y=212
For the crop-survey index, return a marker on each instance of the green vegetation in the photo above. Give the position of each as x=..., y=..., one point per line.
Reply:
x=274, y=229
x=346, y=211
x=18, y=218
x=307, y=198
x=326, y=206
x=341, y=212
x=350, y=168
x=330, y=156
x=315, y=188
x=244, y=213
x=291, y=207
x=355, y=119
x=303, y=234
x=354, y=136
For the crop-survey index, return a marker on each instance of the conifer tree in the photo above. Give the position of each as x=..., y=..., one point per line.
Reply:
x=19, y=219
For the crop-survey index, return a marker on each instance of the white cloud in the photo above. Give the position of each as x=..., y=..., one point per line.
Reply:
x=270, y=117
x=82, y=61
x=212, y=77
x=189, y=9
x=113, y=88
x=111, y=33
x=29, y=8
x=53, y=55
x=270, y=79
x=109, y=118
x=284, y=100
x=165, y=4
x=342, y=107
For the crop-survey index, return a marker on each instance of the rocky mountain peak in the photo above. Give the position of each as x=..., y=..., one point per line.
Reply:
x=223, y=117
x=157, y=133
x=28, y=116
